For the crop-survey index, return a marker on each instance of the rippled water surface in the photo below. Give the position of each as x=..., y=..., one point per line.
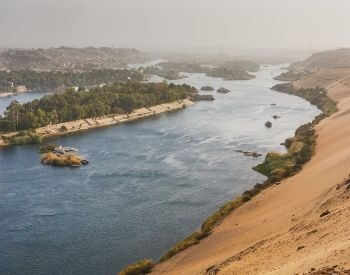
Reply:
x=148, y=185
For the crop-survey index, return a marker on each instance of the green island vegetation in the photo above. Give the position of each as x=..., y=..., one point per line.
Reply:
x=165, y=73
x=119, y=98
x=53, y=80
x=276, y=166
x=229, y=74
x=139, y=268
x=235, y=70
x=245, y=65
x=231, y=70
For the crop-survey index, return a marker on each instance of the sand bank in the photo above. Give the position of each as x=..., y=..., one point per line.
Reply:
x=6, y=94
x=104, y=121
x=281, y=230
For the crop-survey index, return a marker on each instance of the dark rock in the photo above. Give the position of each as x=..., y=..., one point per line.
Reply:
x=276, y=117
x=84, y=162
x=300, y=247
x=207, y=88
x=223, y=90
x=268, y=124
x=325, y=213
x=198, y=97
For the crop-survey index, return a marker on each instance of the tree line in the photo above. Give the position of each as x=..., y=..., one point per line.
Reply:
x=119, y=98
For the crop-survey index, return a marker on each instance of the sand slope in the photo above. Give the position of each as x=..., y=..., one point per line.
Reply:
x=280, y=231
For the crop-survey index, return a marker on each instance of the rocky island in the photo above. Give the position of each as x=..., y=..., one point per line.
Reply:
x=207, y=88
x=223, y=90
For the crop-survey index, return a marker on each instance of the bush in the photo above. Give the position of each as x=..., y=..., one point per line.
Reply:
x=56, y=160
x=24, y=137
x=63, y=128
x=139, y=268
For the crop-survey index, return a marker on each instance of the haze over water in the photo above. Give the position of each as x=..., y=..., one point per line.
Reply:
x=149, y=183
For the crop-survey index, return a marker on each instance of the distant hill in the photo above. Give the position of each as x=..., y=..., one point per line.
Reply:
x=333, y=59
x=65, y=58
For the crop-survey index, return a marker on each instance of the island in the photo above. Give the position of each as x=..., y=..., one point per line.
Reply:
x=74, y=111
x=229, y=70
x=207, y=88
x=61, y=156
x=223, y=90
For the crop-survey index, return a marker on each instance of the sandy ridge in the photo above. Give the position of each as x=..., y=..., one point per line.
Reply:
x=104, y=121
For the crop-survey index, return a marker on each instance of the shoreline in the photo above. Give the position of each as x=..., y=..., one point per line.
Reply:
x=83, y=125
x=7, y=94
x=215, y=219
x=268, y=219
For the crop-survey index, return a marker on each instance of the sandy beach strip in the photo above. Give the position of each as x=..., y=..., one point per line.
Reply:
x=6, y=94
x=104, y=121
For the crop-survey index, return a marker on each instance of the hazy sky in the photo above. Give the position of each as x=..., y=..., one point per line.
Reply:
x=175, y=23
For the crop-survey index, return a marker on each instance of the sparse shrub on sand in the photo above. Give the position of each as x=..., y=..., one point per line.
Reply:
x=139, y=268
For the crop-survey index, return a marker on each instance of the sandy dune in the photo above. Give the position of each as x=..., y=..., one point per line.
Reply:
x=280, y=231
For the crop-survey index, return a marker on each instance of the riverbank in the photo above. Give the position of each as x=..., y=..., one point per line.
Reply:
x=98, y=122
x=6, y=94
x=285, y=230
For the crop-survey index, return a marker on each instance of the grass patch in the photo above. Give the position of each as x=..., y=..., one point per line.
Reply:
x=139, y=268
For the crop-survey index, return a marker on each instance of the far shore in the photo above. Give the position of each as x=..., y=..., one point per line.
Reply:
x=104, y=121
x=6, y=94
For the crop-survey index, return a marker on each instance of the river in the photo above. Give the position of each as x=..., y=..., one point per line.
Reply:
x=149, y=183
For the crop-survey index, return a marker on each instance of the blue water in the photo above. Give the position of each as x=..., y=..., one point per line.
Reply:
x=149, y=183
x=21, y=98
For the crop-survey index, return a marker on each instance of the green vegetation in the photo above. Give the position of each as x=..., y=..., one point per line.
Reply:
x=49, y=81
x=231, y=70
x=279, y=166
x=23, y=137
x=212, y=221
x=317, y=96
x=243, y=65
x=168, y=74
x=139, y=268
x=58, y=160
x=119, y=98
x=301, y=148
x=230, y=73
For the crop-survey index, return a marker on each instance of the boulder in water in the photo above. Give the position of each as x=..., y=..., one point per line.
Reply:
x=223, y=90
x=268, y=124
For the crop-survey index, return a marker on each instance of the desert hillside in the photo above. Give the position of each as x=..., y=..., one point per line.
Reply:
x=301, y=226
x=333, y=59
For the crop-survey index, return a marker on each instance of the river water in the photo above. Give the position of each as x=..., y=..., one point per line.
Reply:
x=149, y=183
